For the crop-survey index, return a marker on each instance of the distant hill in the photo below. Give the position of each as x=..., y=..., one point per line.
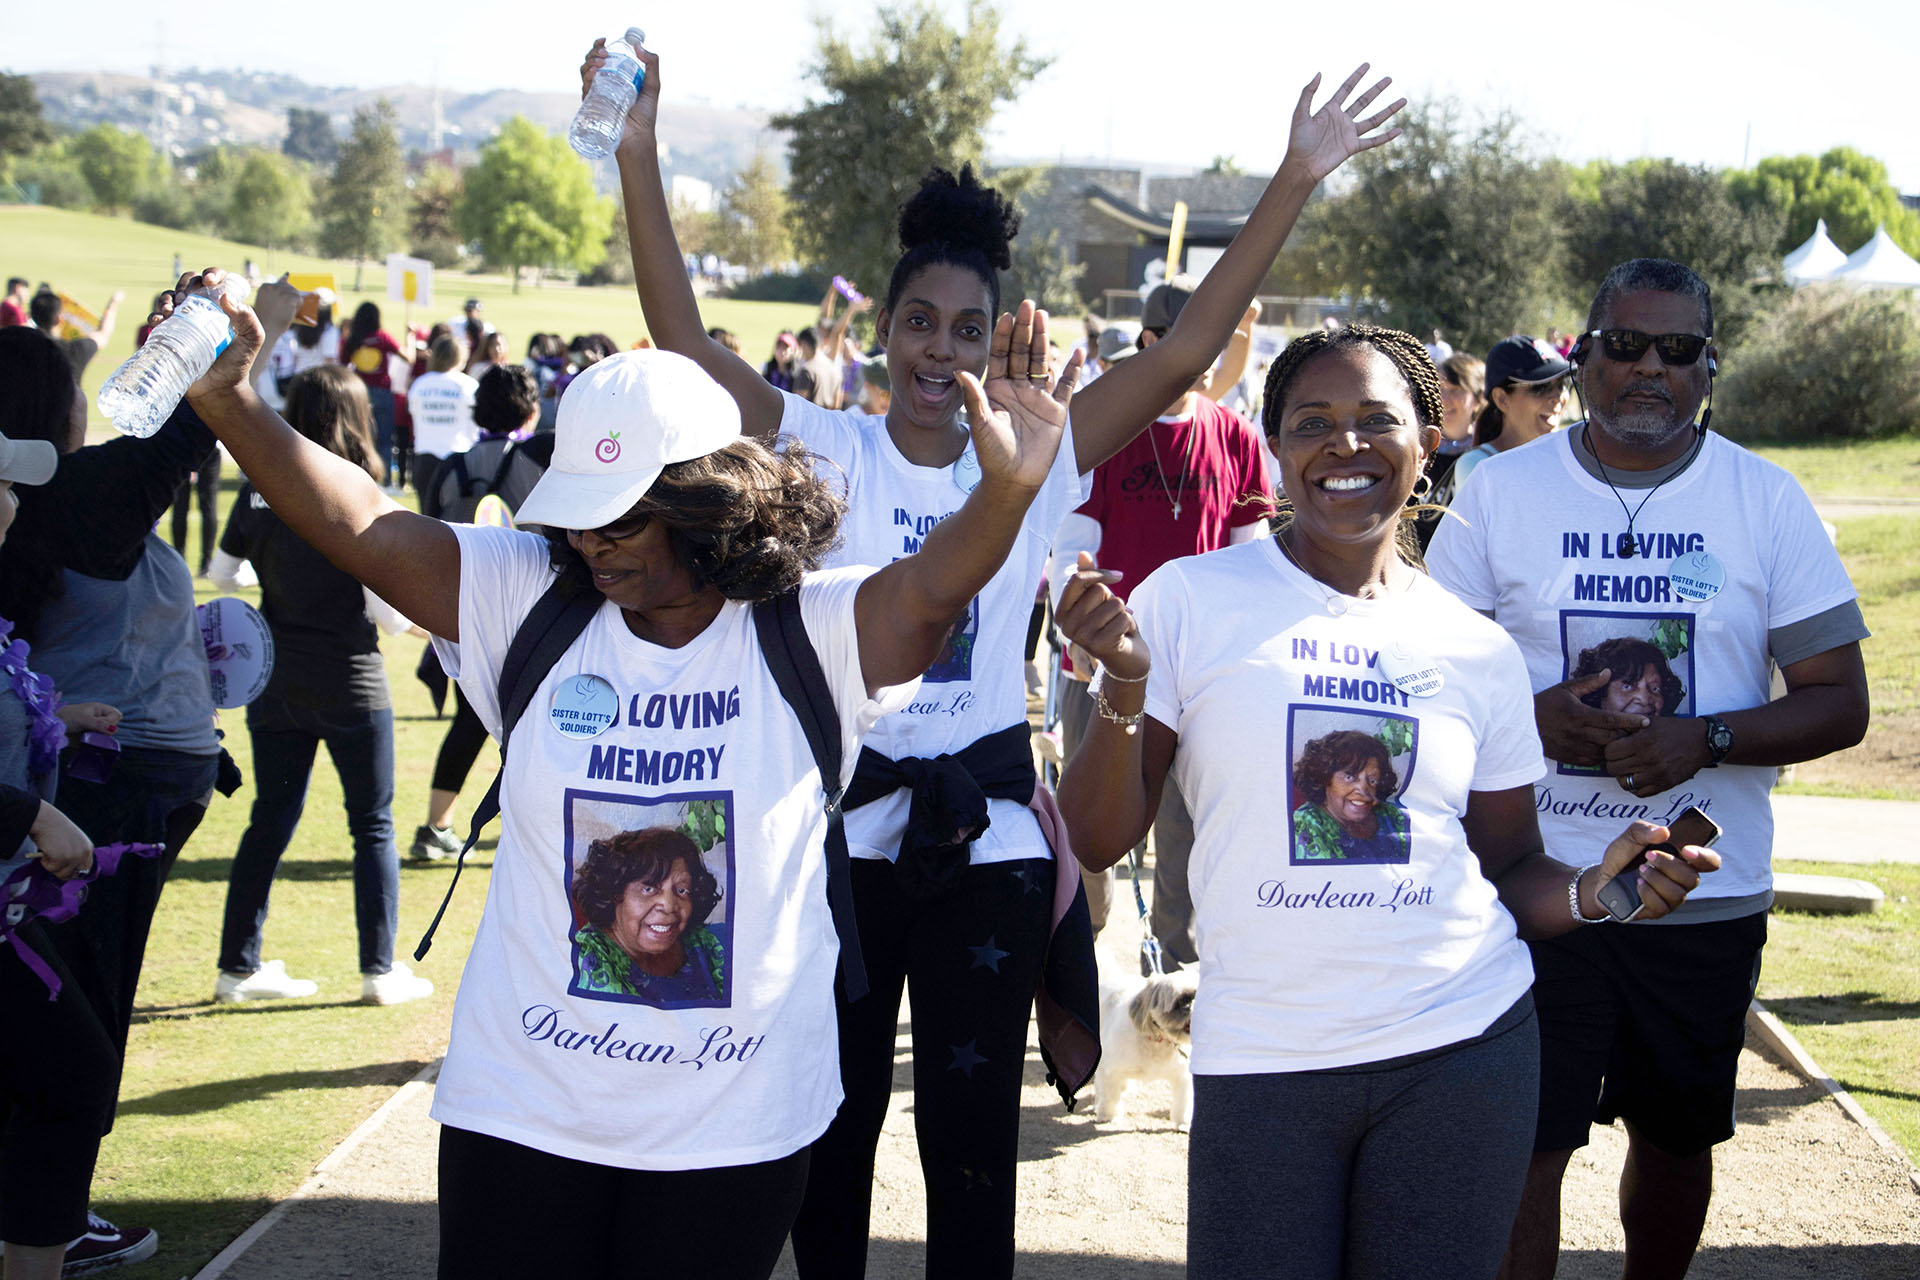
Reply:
x=198, y=108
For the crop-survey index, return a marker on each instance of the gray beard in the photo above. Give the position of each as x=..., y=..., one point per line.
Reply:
x=1648, y=430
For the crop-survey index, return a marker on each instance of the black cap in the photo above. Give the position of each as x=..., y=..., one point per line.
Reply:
x=1163, y=305
x=474, y=304
x=1523, y=359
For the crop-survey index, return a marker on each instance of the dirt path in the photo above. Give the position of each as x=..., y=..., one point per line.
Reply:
x=1801, y=1192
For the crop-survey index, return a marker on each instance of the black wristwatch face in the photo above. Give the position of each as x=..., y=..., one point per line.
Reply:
x=1719, y=738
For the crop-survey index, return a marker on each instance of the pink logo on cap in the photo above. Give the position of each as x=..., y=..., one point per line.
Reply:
x=608, y=450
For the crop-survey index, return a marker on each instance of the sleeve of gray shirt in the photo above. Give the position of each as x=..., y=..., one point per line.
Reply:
x=1841, y=625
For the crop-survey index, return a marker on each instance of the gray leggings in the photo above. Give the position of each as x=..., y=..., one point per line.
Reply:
x=1411, y=1166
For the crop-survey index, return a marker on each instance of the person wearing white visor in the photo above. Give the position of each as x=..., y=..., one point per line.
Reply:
x=604, y=1063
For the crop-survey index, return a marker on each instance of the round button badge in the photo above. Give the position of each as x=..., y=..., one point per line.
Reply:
x=1697, y=576
x=583, y=706
x=1410, y=673
x=966, y=470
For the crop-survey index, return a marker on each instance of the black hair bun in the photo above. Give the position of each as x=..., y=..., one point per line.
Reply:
x=962, y=212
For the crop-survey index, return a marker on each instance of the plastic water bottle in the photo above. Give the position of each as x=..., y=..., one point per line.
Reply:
x=142, y=393
x=603, y=112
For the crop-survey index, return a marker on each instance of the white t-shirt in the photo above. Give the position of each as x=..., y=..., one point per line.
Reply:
x=288, y=357
x=1320, y=946
x=442, y=409
x=1536, y=546
x=978, y=684
x=732, y=1061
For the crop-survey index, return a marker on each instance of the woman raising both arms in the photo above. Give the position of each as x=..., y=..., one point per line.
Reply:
x=965, y=921
x=581, y=1104
x=1365, y=1053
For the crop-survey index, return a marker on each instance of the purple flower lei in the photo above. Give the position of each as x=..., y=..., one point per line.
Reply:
x=46, y=735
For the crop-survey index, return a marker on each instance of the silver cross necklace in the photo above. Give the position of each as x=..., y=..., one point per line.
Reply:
x=1186, y=463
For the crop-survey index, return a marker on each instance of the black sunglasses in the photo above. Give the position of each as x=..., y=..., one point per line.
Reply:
x=1631, y=344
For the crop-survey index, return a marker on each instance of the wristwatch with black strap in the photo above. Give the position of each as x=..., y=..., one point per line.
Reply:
x=1719, y=739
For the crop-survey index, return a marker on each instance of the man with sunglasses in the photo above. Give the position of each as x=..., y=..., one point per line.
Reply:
x=1639, y=523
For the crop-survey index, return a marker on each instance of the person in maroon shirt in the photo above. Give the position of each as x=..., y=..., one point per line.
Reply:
x=13, y=307
x=367, y=349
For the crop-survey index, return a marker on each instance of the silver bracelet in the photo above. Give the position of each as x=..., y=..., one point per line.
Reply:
x=1131, y=724
x=1106, y=673
x=1573, y=898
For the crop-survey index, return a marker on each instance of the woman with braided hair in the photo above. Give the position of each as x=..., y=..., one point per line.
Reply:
x=1365, y=1055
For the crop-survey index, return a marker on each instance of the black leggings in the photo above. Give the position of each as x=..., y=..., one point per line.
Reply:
x=512, y=1212
x=971, y=960
x=206, y=483
x=58, y=1071
x=460, y=748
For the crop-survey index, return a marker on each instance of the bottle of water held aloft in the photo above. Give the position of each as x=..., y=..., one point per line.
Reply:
x=603, y=113
x=142, y=393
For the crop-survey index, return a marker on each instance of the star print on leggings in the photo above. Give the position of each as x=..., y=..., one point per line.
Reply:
x=1028, y=881
x=988, y=956
x=965, y=1059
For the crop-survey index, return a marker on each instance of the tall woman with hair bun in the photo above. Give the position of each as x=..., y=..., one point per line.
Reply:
x=959, y=897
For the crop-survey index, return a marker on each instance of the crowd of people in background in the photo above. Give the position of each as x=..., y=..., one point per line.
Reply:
x=1187, y=518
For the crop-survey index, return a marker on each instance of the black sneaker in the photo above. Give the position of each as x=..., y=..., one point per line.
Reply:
x=435, y=844
x=105, y=1245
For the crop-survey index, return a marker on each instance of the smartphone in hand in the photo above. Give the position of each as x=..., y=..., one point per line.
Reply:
x=1621, y=895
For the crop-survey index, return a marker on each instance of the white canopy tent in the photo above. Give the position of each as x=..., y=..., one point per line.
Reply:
x=1880, y=264
x=1816, y=260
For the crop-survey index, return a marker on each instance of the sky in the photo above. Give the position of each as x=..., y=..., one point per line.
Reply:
x=1172, y=85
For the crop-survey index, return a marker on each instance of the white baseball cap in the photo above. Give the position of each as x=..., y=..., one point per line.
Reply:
x=622, y=421
x=27, y=461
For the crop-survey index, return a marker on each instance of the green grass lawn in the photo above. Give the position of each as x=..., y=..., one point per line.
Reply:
x=1882, y=554
x=227, y=1109
x=1849, y=988
x=87, y=256
x=1887, y=468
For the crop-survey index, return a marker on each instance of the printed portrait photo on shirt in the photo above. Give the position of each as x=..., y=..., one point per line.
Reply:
x=1648, y=658
x=648, y=885
x=955, y=662
x=1348, y=770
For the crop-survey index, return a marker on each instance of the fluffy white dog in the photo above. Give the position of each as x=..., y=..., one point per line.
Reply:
x=1145, y=1028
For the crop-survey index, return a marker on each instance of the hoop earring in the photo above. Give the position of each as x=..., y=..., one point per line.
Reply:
x=1422, y=487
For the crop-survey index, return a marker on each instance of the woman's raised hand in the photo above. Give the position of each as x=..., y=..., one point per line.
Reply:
x=646, y=106
x=229, y=370
x=1019, y=414
x=1094, y=619
x=1665, y=878
x=1323, y=140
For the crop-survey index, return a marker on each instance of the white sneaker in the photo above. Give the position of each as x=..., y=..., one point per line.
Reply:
x=268, y=982
x=396, y=986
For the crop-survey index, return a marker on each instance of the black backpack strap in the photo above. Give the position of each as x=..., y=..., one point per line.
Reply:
x=500, y=471
x=796, y=670
x=549, y=630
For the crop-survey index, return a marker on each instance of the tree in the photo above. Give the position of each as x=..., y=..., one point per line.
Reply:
x=530, y=203
x=1224, y=165
x=1665, y=209
x=432, y=233
x=919, y=94
x=115, y=163
x=1846, y=188
x=23, y=130
x=310, y=138
x=752, y=229
x=365, y=211
x=1450, y=229
x=693, y=227
x=271, y=203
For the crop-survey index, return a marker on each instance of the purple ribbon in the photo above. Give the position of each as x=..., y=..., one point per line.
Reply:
x=46, y=735
x=46, y=897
